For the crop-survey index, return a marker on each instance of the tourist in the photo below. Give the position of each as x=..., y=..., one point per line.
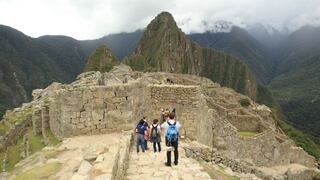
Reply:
x=140, y=131
x=163, y=117
x=147, y=133
x=155, y=137
x=166, y=113
x=171, y=136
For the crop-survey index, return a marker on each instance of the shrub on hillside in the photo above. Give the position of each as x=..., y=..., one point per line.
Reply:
x=245, y=102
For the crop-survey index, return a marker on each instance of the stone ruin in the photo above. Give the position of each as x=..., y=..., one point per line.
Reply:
x=211, y=115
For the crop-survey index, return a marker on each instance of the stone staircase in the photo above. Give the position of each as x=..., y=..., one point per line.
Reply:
x=150, y=165
x=110, y=158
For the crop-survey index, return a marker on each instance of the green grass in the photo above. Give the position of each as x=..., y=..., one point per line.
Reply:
x=1, y=160
x=18, y=117
x=40, y=172
x=244, y=102
x=52, y=139
x=247, y=133
x=3, y=128
x=50, y=153
x=35, y=142
x=14, y=155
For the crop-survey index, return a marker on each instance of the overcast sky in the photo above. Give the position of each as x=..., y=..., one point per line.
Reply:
x=89, y=19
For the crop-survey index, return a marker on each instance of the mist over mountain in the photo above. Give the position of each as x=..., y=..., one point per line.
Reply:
x=297, y=81
x=241, y=44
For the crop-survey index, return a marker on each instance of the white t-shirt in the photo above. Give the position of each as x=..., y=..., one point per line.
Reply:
x=154, y=125
x=165, y=125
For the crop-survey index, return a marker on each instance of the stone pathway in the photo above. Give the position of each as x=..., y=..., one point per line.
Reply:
x=78, y=158
x=150, y=165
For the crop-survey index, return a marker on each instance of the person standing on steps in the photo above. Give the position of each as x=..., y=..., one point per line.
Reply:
x=140, y=131
x=171, y=136
x=155, y=135
x=147, y=133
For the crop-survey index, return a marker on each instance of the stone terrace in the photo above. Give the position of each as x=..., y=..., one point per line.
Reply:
x=211, y=115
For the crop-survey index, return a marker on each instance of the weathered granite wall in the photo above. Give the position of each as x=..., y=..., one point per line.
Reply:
x=37, y=121
x=246, y=122
x=185, y=99
x=92, y=110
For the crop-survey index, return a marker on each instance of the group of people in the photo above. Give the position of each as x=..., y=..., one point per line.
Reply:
x=169, y=128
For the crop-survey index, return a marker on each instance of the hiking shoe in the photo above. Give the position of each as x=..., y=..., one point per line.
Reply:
x=167, y=164
x=175, y=163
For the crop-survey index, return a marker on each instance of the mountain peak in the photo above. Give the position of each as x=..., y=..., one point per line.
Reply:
x=163, y=20
x=101, y=59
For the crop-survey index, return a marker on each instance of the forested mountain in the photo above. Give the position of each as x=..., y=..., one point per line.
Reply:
x=241, y=44
x=164, y=47
x=297, y=81
x=289, y=65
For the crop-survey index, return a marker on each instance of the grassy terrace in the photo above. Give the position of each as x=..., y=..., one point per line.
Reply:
x=52, y=139
x=3, y=128
x=18, y=117
x=14, y=155
x=40, y=172
x=35, y=142
x=247, y=133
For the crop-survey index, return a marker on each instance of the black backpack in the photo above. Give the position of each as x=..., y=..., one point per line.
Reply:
x=154, y=131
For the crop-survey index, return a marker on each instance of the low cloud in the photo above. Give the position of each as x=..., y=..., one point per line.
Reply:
x=88, y=19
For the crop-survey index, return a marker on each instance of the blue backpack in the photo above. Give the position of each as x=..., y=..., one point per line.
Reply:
x=172, y=133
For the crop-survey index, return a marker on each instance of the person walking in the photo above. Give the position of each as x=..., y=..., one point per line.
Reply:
x=155, y=135
x=147, y=133
x=171, y=136
x=140, y=131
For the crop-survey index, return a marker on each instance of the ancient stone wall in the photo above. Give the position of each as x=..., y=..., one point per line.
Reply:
x=92, y=110
x=185, y=99
x=37, y=121
x=246, y=122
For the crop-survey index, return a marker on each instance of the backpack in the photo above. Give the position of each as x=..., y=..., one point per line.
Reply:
x=154, y=131
x=172, y=133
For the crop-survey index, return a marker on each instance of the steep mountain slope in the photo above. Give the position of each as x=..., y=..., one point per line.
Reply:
x=121, y=44
x=68, y=53
x=297, y=84
x=24, y=67
x=164, y=47
x=29, y=63
x=101, y=60
x=268, y=36
x=241, y=44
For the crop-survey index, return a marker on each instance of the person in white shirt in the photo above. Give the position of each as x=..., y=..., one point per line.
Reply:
x=171, y=130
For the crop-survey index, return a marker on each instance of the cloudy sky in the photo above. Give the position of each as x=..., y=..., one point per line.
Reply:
x=89, y=19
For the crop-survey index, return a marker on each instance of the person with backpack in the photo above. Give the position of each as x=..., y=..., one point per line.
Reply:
x=140, y=131
x=155, y=135
x=171, y=136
